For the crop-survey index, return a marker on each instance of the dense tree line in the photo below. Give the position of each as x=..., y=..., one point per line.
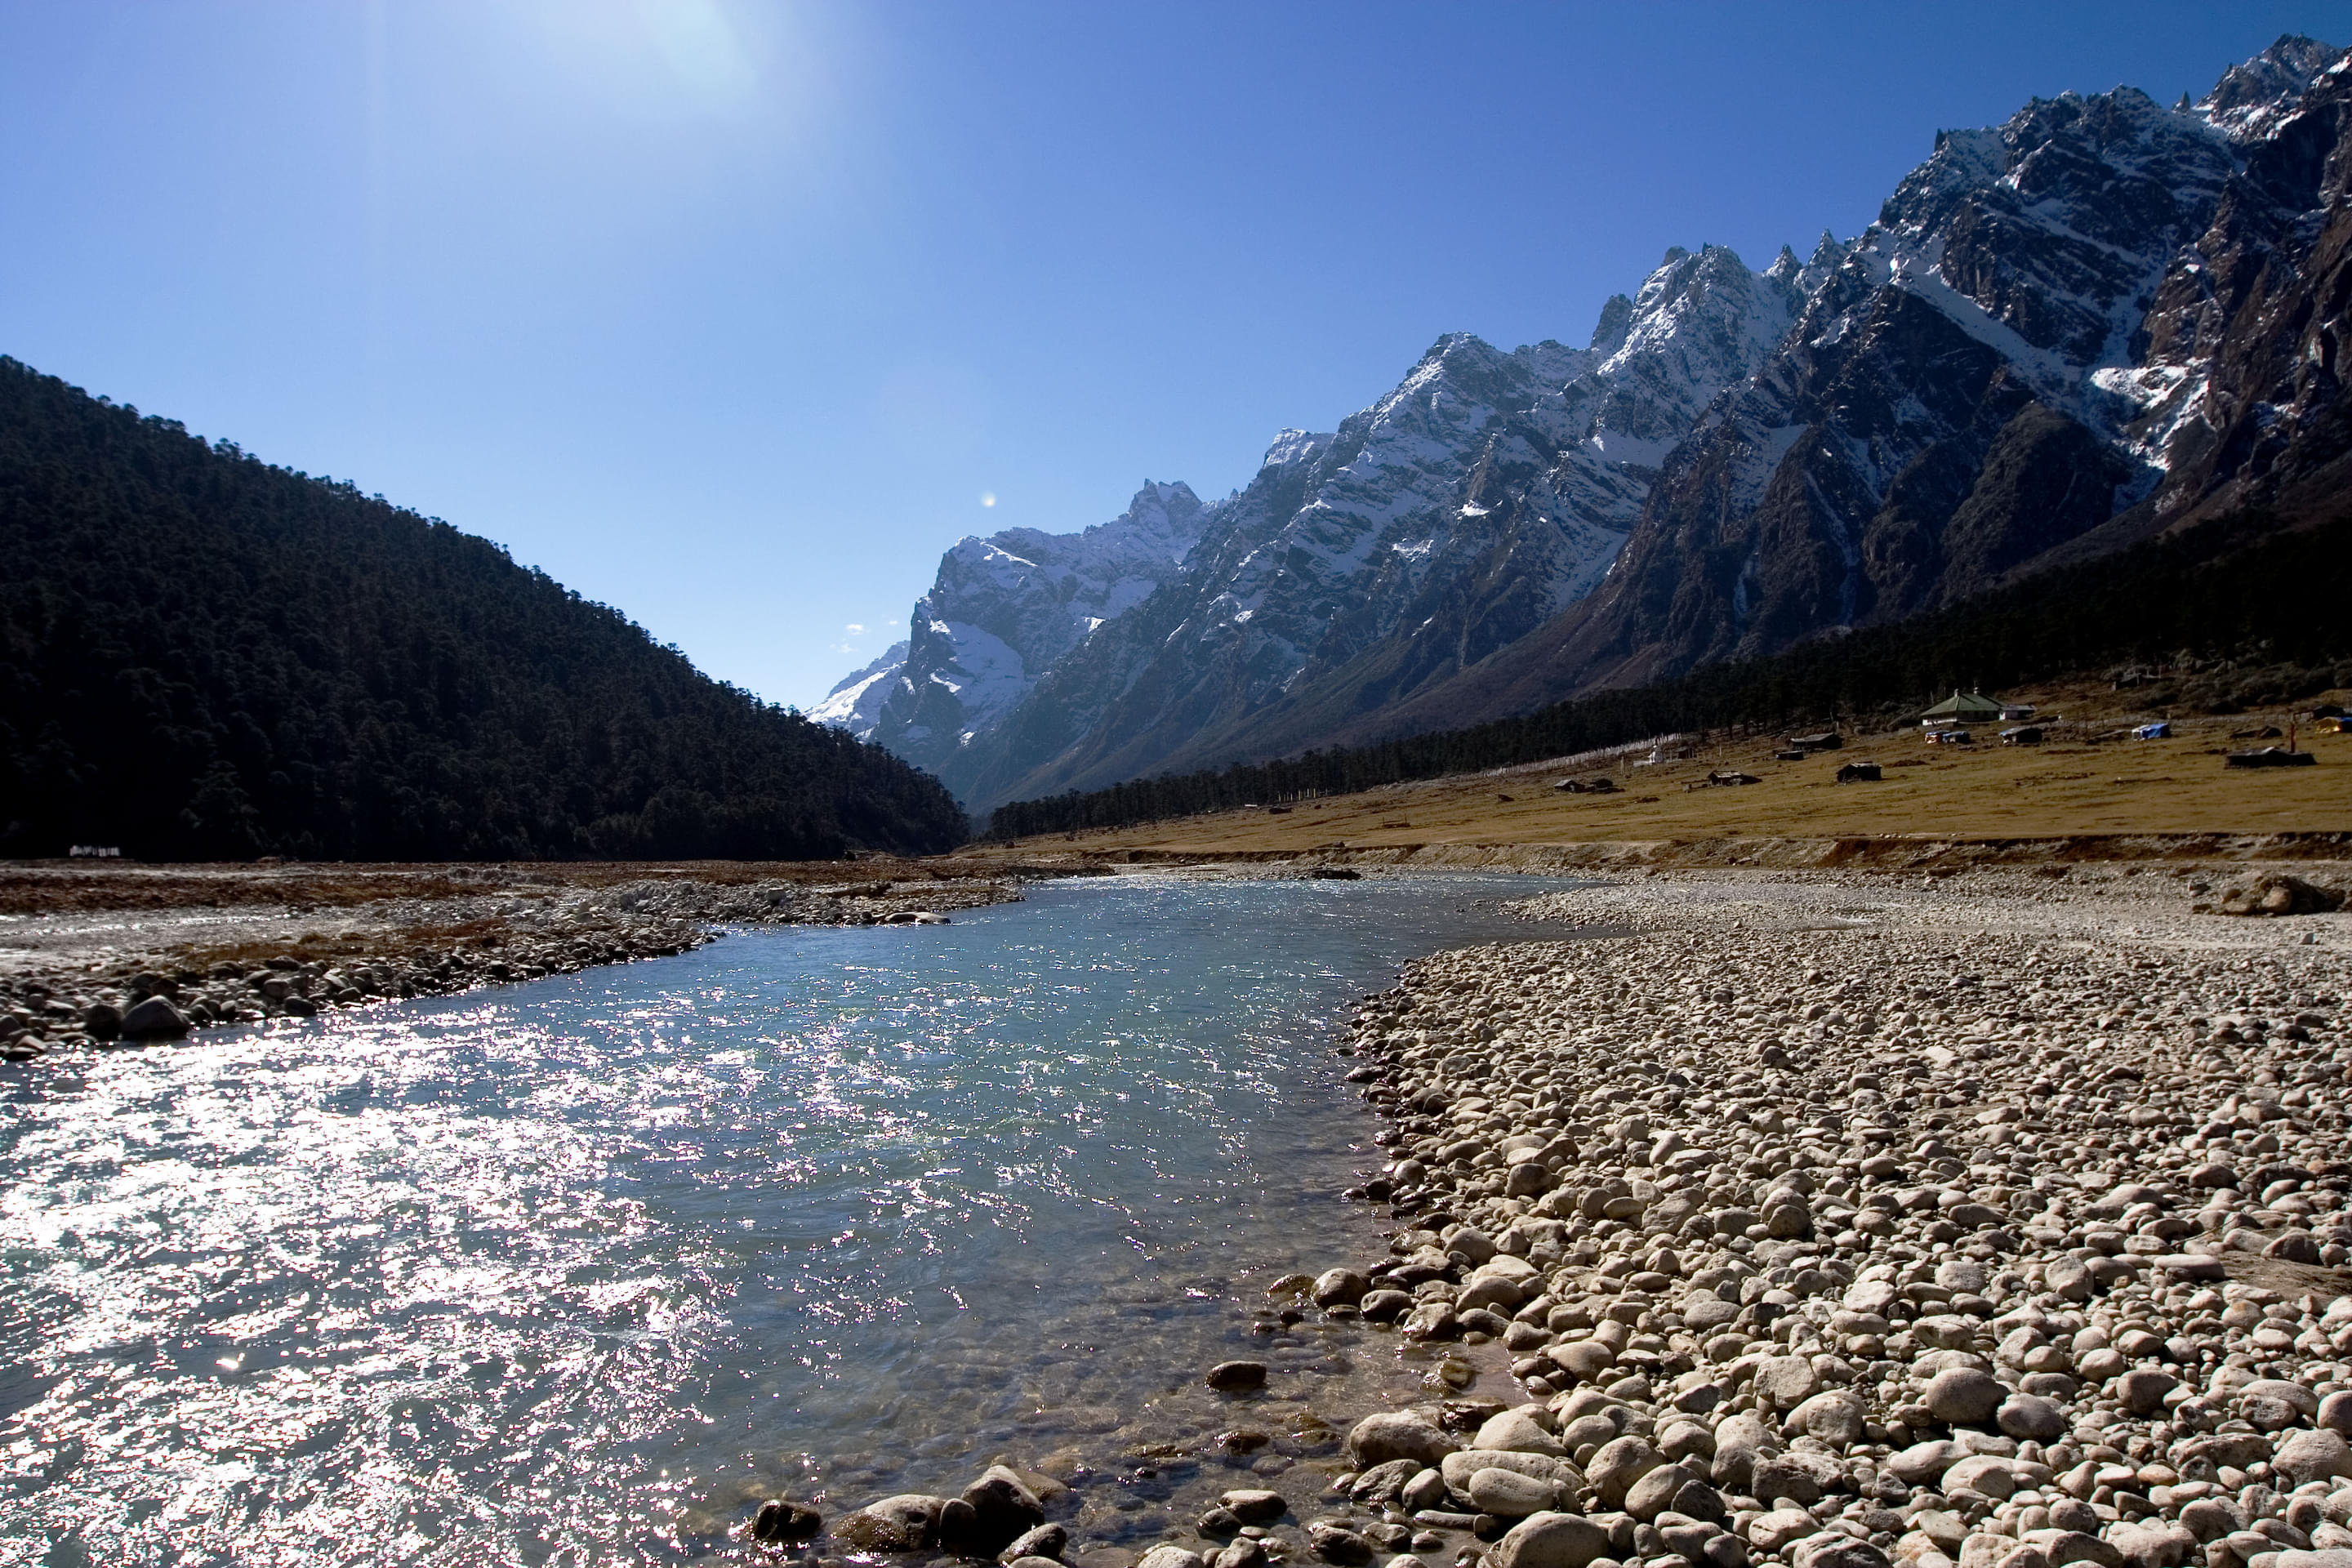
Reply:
x=202, y=656
x=2242, y=585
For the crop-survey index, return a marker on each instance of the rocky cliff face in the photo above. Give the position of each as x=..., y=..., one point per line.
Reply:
x=2239, y=393
x=1488, y=491
x=1000, y=611
x=2102, y=317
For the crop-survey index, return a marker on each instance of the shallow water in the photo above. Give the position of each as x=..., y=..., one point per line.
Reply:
x=576, y=1270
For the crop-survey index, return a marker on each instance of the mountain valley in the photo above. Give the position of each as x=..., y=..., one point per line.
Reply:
x=2101, y=320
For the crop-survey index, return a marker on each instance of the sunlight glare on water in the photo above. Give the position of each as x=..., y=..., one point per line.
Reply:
x=581, y=1269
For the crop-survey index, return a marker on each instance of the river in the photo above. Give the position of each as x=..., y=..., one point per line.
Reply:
x=578, y=1270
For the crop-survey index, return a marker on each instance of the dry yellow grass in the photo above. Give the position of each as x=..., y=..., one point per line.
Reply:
x=2066, y=787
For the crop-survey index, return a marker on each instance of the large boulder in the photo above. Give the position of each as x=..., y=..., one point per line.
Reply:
x=1740, y=1441
x=1834, y=1417
x=1746, y=1430
x=1340, y=1287
x=1830, y=1550
x=1528, y=1179
x=2141, y=1390
x=2061, y=1547
x=1924, y=1462
x=2277, y=893
x=1384, y=1483
x=1674, y=1489
x=1776, y=1528
x=1654, y=1494
x=1785, y=1382
x=2303, y=1400
x=909, y=1522
x=1703, y=1310
x=155, y=1019
x=1963, y=1397
x=1236, y=1376
x=1047, y=1540
x=1803, y=1478
x=2294, y=1247
x=1473, y=1244
x=1332, y=1541
x=783, y=1520
x=1583, y=1360
x=1500, y=1292
x=1618, y=1465
x=1397, y=1434
x=1549, y=1540
x=1518, y=1431
x=1002, y=1506
x=2069, y=1278
x=1506, y=1494
x=1456, y=1468
x=2153, y=1544
x=2235, y=1449
x=2030, y=1416
x=2315, y=1455
x=1982, y=1474
x=1873, y=1296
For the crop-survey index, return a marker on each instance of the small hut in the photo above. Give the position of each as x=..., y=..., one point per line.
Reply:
x=1962, y=708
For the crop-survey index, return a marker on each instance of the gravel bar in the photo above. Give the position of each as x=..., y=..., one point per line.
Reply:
x=1825, y=1220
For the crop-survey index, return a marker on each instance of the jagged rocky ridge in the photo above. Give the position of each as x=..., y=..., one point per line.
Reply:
x=2100, y=320
x=2060, y=337
x=1003, y=610
x=1486, y=493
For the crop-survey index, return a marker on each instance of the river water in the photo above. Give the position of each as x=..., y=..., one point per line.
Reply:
x=578, y=1270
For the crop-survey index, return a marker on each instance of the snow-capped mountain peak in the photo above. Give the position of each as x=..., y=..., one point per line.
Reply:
x=1487, y=491
x=855, y=703
x=1000, y=610
x=2091, y=309
x=2252, y=99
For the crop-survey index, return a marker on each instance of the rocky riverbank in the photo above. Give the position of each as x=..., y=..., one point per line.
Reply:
x=1825, y=1220
x=101, y=959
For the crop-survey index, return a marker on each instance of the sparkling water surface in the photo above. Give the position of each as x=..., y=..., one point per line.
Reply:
x=580, y=1269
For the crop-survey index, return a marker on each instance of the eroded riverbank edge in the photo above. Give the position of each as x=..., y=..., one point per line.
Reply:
x=1801, y=1060
x=86, y=946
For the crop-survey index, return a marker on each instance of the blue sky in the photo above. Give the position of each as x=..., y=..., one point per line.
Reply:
x=729, y=313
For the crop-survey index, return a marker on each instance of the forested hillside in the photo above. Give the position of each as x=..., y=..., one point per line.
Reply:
x=202, y=656
x=2237, y=591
